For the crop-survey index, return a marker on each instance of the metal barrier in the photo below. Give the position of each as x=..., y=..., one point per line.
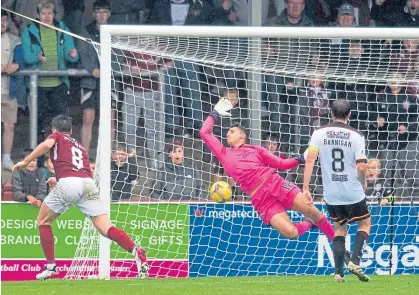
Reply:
x=33, y=90
x=33, y=95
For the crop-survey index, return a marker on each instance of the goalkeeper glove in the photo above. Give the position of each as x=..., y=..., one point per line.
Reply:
x=223, y=107
x=300, y=159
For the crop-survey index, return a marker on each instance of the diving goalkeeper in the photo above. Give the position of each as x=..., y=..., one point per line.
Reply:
x=255, y=169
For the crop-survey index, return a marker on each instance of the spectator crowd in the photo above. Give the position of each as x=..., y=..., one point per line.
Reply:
x=173, y=98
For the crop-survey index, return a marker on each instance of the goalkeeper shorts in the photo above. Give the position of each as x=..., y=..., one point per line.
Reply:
x=275, y=196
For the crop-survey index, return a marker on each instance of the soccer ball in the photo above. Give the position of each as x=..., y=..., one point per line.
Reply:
x=220, y=192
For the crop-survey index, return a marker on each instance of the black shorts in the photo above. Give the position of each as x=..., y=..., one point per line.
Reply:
x=90, y=99
x=349, y=213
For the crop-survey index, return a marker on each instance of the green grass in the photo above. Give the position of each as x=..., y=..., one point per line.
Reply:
x=312, y=285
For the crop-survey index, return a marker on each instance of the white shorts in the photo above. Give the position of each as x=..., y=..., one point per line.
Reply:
x=75, y=191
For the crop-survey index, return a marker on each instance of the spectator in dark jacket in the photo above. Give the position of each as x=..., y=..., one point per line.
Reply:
x=313, y=101
x=279, y=90
x=183, y=74
x=396, y=115
x=126, y=12
x=142, y=94
x=124, y=172
x=359, y=95
x=29, y=184
x=73, y=15
x=179, y=179
x=406, y=60
x=396, y=13
x=90, y=86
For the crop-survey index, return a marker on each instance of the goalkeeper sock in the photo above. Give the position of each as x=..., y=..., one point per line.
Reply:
x=339, y=253
x=361, y=238
x=121, y=238
x=302, y=227
x=47, y=242
x=325, y=227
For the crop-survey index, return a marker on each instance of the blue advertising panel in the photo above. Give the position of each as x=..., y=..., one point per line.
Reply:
x=230, y=240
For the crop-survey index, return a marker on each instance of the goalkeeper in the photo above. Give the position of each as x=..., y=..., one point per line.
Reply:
x=255, y=169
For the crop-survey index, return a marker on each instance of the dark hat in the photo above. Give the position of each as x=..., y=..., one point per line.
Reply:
x=346, y=8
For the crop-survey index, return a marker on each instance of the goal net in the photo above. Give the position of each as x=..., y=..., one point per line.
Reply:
x=156, y=172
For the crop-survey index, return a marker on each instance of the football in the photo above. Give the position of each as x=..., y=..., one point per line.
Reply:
x=220, y=192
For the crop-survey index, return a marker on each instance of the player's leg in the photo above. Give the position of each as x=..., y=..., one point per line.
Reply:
x=311, y=212
x=272, y=201
x=339, y=215
x=339, y=250
x=91, y=205
x=361, y=238
x=272, y=212
x=45, y=217
x=282, y=223
x=359, y=212
x=51, y=208
x=106, y=229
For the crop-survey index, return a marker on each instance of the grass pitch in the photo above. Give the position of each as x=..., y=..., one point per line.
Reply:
x=311, y=285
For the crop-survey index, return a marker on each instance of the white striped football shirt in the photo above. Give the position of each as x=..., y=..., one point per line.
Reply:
x=340, y=148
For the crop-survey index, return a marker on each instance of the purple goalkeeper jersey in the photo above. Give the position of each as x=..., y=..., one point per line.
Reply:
x=248, y=165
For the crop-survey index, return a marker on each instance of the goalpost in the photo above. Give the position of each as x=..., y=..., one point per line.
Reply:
x=282, y=77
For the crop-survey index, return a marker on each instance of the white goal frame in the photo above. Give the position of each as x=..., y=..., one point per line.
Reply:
x=256, y=33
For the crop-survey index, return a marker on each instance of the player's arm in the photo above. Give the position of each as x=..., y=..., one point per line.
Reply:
x=278, y=163
x=313, y=150
x=216, y=147
x=40, y=150
x=361, y=161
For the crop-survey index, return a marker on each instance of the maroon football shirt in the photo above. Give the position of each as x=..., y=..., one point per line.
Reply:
x=69, y=157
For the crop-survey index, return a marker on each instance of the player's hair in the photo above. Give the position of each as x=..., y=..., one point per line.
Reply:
x=4, y=13
x=375, y=160
x=91, y=160
x=62, y=123
x=242, y=128
x=101, y=4
x=26, y=152
x=341, y=109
